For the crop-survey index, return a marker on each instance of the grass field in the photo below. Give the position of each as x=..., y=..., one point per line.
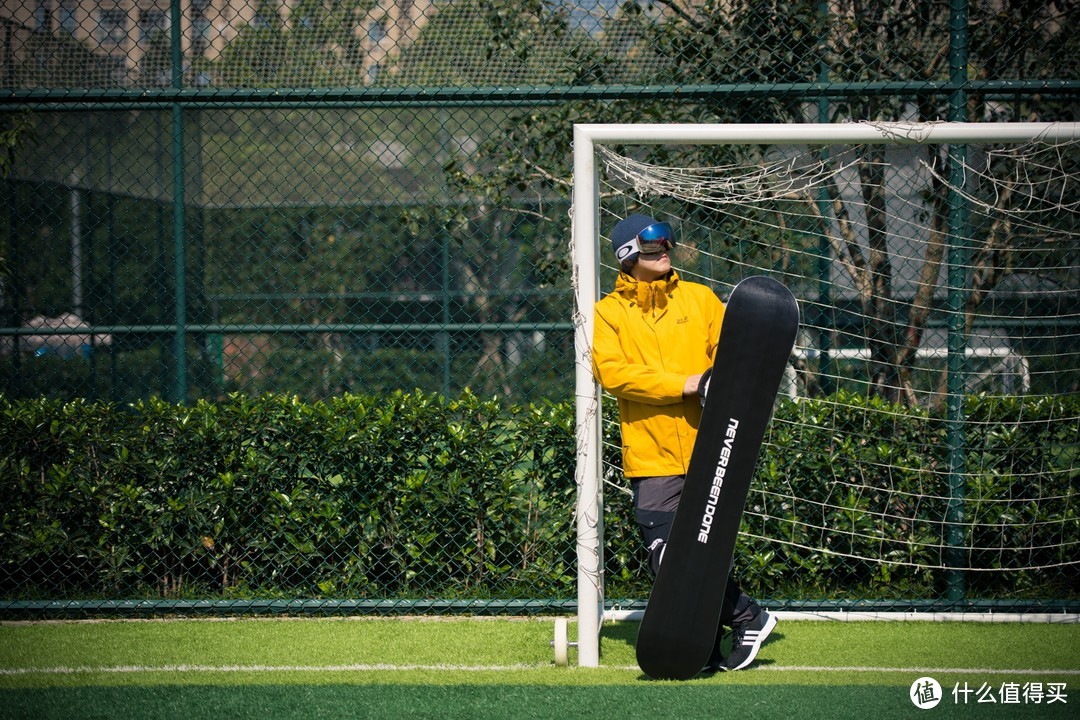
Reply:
x=503, y=668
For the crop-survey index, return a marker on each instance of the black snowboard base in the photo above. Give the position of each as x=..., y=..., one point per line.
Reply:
x=678, y=630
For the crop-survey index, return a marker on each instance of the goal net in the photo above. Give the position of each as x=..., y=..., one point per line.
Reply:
x=926, y=432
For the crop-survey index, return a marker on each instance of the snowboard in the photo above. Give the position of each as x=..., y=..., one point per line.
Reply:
x=678, y=630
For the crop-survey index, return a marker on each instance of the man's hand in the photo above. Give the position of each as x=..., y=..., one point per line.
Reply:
x=691, y=386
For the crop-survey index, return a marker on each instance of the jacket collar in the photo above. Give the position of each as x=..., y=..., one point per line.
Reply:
x=647, y=295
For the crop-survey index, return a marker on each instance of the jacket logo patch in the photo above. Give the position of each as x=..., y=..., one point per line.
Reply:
x=684, y=318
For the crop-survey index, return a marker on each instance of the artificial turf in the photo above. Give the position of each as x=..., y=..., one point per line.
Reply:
x=472, y=667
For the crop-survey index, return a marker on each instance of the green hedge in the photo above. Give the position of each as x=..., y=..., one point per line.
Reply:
x=408, y=495
x=878, y=475
x=418, y=496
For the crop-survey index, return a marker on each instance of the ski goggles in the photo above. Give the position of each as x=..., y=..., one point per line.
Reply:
x=658, y=237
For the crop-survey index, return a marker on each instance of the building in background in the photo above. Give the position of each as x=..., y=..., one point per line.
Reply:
x=125, y=30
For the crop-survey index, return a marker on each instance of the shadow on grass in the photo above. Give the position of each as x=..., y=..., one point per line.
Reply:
x=618, y=640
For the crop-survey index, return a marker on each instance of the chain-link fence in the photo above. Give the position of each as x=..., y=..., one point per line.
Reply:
x=211, y=200
x=335, y=257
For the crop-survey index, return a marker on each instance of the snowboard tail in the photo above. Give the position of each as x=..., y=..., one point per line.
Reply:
x=679, y=628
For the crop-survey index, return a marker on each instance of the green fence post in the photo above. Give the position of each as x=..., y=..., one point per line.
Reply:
x=179, y=290
x=828, y=319
x=957, y=296
x=443, y=337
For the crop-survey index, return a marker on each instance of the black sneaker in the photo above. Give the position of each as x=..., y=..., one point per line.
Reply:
x=746, y=640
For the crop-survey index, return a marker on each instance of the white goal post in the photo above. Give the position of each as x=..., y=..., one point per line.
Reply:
x=585, y=241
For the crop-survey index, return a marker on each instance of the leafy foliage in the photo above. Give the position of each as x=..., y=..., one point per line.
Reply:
x=418, y=496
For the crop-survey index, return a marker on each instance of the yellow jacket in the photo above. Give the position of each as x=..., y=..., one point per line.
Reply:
x=648, y=338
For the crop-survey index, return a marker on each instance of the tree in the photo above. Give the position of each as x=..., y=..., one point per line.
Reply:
x=722, y=41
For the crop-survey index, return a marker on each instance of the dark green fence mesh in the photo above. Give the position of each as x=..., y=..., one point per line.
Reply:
x=209, y=201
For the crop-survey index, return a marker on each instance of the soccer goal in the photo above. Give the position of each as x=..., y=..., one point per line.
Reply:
x=936, y=265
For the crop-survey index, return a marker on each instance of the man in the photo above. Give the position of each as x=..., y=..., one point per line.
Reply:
x=654, y=337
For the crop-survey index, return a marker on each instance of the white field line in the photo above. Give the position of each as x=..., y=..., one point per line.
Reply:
x=389, y=667
x=358, y=667
x=926, y=671
x=872, y=669
x=618, y=615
